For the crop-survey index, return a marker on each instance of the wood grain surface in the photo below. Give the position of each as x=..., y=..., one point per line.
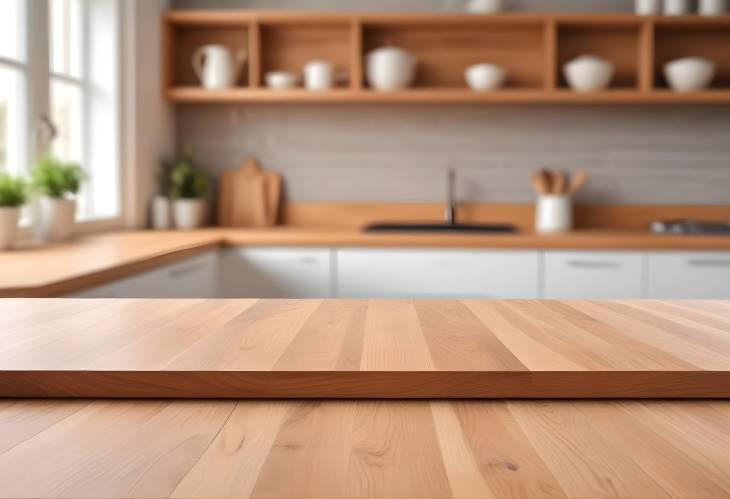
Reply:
x=352, y=449
x=364, y=349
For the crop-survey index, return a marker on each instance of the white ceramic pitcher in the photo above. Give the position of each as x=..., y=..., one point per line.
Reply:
x=217, y=66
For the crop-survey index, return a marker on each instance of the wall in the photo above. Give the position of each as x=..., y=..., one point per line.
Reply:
x=635, y=154
x=150, y=122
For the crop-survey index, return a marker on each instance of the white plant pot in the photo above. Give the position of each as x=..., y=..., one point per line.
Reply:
x=161, y=213
x=689, y=74
x=8, y=226
x=55, y=218
x=589, y=73
x=554, y=213
x=188, y=213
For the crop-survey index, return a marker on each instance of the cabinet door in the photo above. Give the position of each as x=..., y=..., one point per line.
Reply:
x=276, y=273
x=593, y=274
x=432, y=273
x=689, y=274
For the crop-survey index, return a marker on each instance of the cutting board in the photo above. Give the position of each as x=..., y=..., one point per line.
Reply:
x=249, y=197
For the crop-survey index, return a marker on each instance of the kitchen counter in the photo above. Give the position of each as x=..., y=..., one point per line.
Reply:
x=350, y=449
x=54, y=270
x=364, y=349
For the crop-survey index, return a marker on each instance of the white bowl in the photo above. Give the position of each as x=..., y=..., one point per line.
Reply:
x=588, y=73
x=281, y=80
x=390, y=68
x=484, y=77
x=689, y=74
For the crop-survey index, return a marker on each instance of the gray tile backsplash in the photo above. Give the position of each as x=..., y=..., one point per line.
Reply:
x=400, y=153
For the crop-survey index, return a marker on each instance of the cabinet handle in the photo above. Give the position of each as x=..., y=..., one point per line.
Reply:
x=190, y=269
x=584, y=264
x=308, y=260
x=708, y=262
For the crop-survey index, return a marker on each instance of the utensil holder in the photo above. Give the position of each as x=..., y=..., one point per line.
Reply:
x=554, y=213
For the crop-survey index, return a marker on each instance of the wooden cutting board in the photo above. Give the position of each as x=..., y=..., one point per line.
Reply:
x=249, y=197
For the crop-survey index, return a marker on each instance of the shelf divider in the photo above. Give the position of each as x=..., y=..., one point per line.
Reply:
x=254, y=49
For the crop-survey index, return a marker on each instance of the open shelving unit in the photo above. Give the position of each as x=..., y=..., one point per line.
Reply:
x=533, y=47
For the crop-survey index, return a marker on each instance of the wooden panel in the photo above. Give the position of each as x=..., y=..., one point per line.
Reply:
x=618, y=44
x=186, y=39
x=289, y=449
x=375, y=349
x=710, y=42
x=445, y=52
x=290, y=47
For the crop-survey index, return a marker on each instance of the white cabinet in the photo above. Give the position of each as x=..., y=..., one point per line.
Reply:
x=593, y=274
x=406, y=273
x=689, y=274
x=263, y=272
x=195, y=277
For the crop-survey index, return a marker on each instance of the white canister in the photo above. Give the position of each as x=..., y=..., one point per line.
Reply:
x=712, y=7
x=676, y=7
x=161, y=213
x=648, y=7
x=554, y=213
x=55, y=218
x=189, y=213
x=8, y=226
x=319, y=75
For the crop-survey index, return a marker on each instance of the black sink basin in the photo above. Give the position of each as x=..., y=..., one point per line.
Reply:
x=440, y=227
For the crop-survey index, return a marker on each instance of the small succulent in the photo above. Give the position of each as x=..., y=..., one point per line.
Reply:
x=13, y=191
x=54, y=178
x=185, y=179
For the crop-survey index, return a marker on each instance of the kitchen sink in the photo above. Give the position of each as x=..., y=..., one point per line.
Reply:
x=389, y=227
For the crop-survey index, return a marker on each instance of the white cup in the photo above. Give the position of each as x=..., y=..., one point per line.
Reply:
x=712, y=7
x=676, y=7
x=648, y=7
x=554, y=213
x=319, y=75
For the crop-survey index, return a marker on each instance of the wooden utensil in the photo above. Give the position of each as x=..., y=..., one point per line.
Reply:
x=558, y=182
x=577, y=181
x=541, y=182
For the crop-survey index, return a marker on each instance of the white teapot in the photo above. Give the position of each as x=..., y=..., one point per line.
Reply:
x=390, y=68
x=217, y=66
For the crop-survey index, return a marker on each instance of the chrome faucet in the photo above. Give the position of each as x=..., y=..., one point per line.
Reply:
x=450, y=216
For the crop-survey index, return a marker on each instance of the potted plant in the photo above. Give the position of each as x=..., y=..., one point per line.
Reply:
x=13, y=194
x=188, y=187
x=57, y=183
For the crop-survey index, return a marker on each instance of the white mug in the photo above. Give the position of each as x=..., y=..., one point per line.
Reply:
x=319, y=75
x=554, y=213
x=648, y=7
x=712, y=7
x=676, y=7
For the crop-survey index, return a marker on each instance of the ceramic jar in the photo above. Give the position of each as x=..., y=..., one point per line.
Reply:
x=161, y=213
x=9, y=216
x=554, y=213
x=390, y=68
x=55, y=218
x=319, y=75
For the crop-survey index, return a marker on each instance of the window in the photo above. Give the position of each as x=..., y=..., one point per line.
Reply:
x=59, y=76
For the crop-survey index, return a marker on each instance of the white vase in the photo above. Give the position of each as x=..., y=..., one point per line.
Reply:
x=554, y=213
x=8, y=226
x=55, y=218
x=648, y=7
x=188, y=213
x=676, y=7
x=161, y=213
x=712, y=7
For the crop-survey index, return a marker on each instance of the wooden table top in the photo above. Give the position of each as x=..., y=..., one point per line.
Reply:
x=364, y=348
x=350, y=449
x=57, y=269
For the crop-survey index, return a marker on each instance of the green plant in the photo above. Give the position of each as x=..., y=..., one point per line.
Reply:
x=54, y=178
x=13, y=191
x=185, y=179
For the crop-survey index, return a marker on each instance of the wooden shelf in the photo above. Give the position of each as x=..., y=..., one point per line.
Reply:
x=533, y=47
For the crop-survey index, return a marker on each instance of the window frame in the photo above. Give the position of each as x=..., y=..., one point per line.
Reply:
x=38, y=77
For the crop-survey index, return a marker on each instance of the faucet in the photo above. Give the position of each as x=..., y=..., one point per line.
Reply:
x=450, y=216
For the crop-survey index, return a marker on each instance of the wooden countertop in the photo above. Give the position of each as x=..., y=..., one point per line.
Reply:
x=54, y=270
x=352, y=449
x=364, y=349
